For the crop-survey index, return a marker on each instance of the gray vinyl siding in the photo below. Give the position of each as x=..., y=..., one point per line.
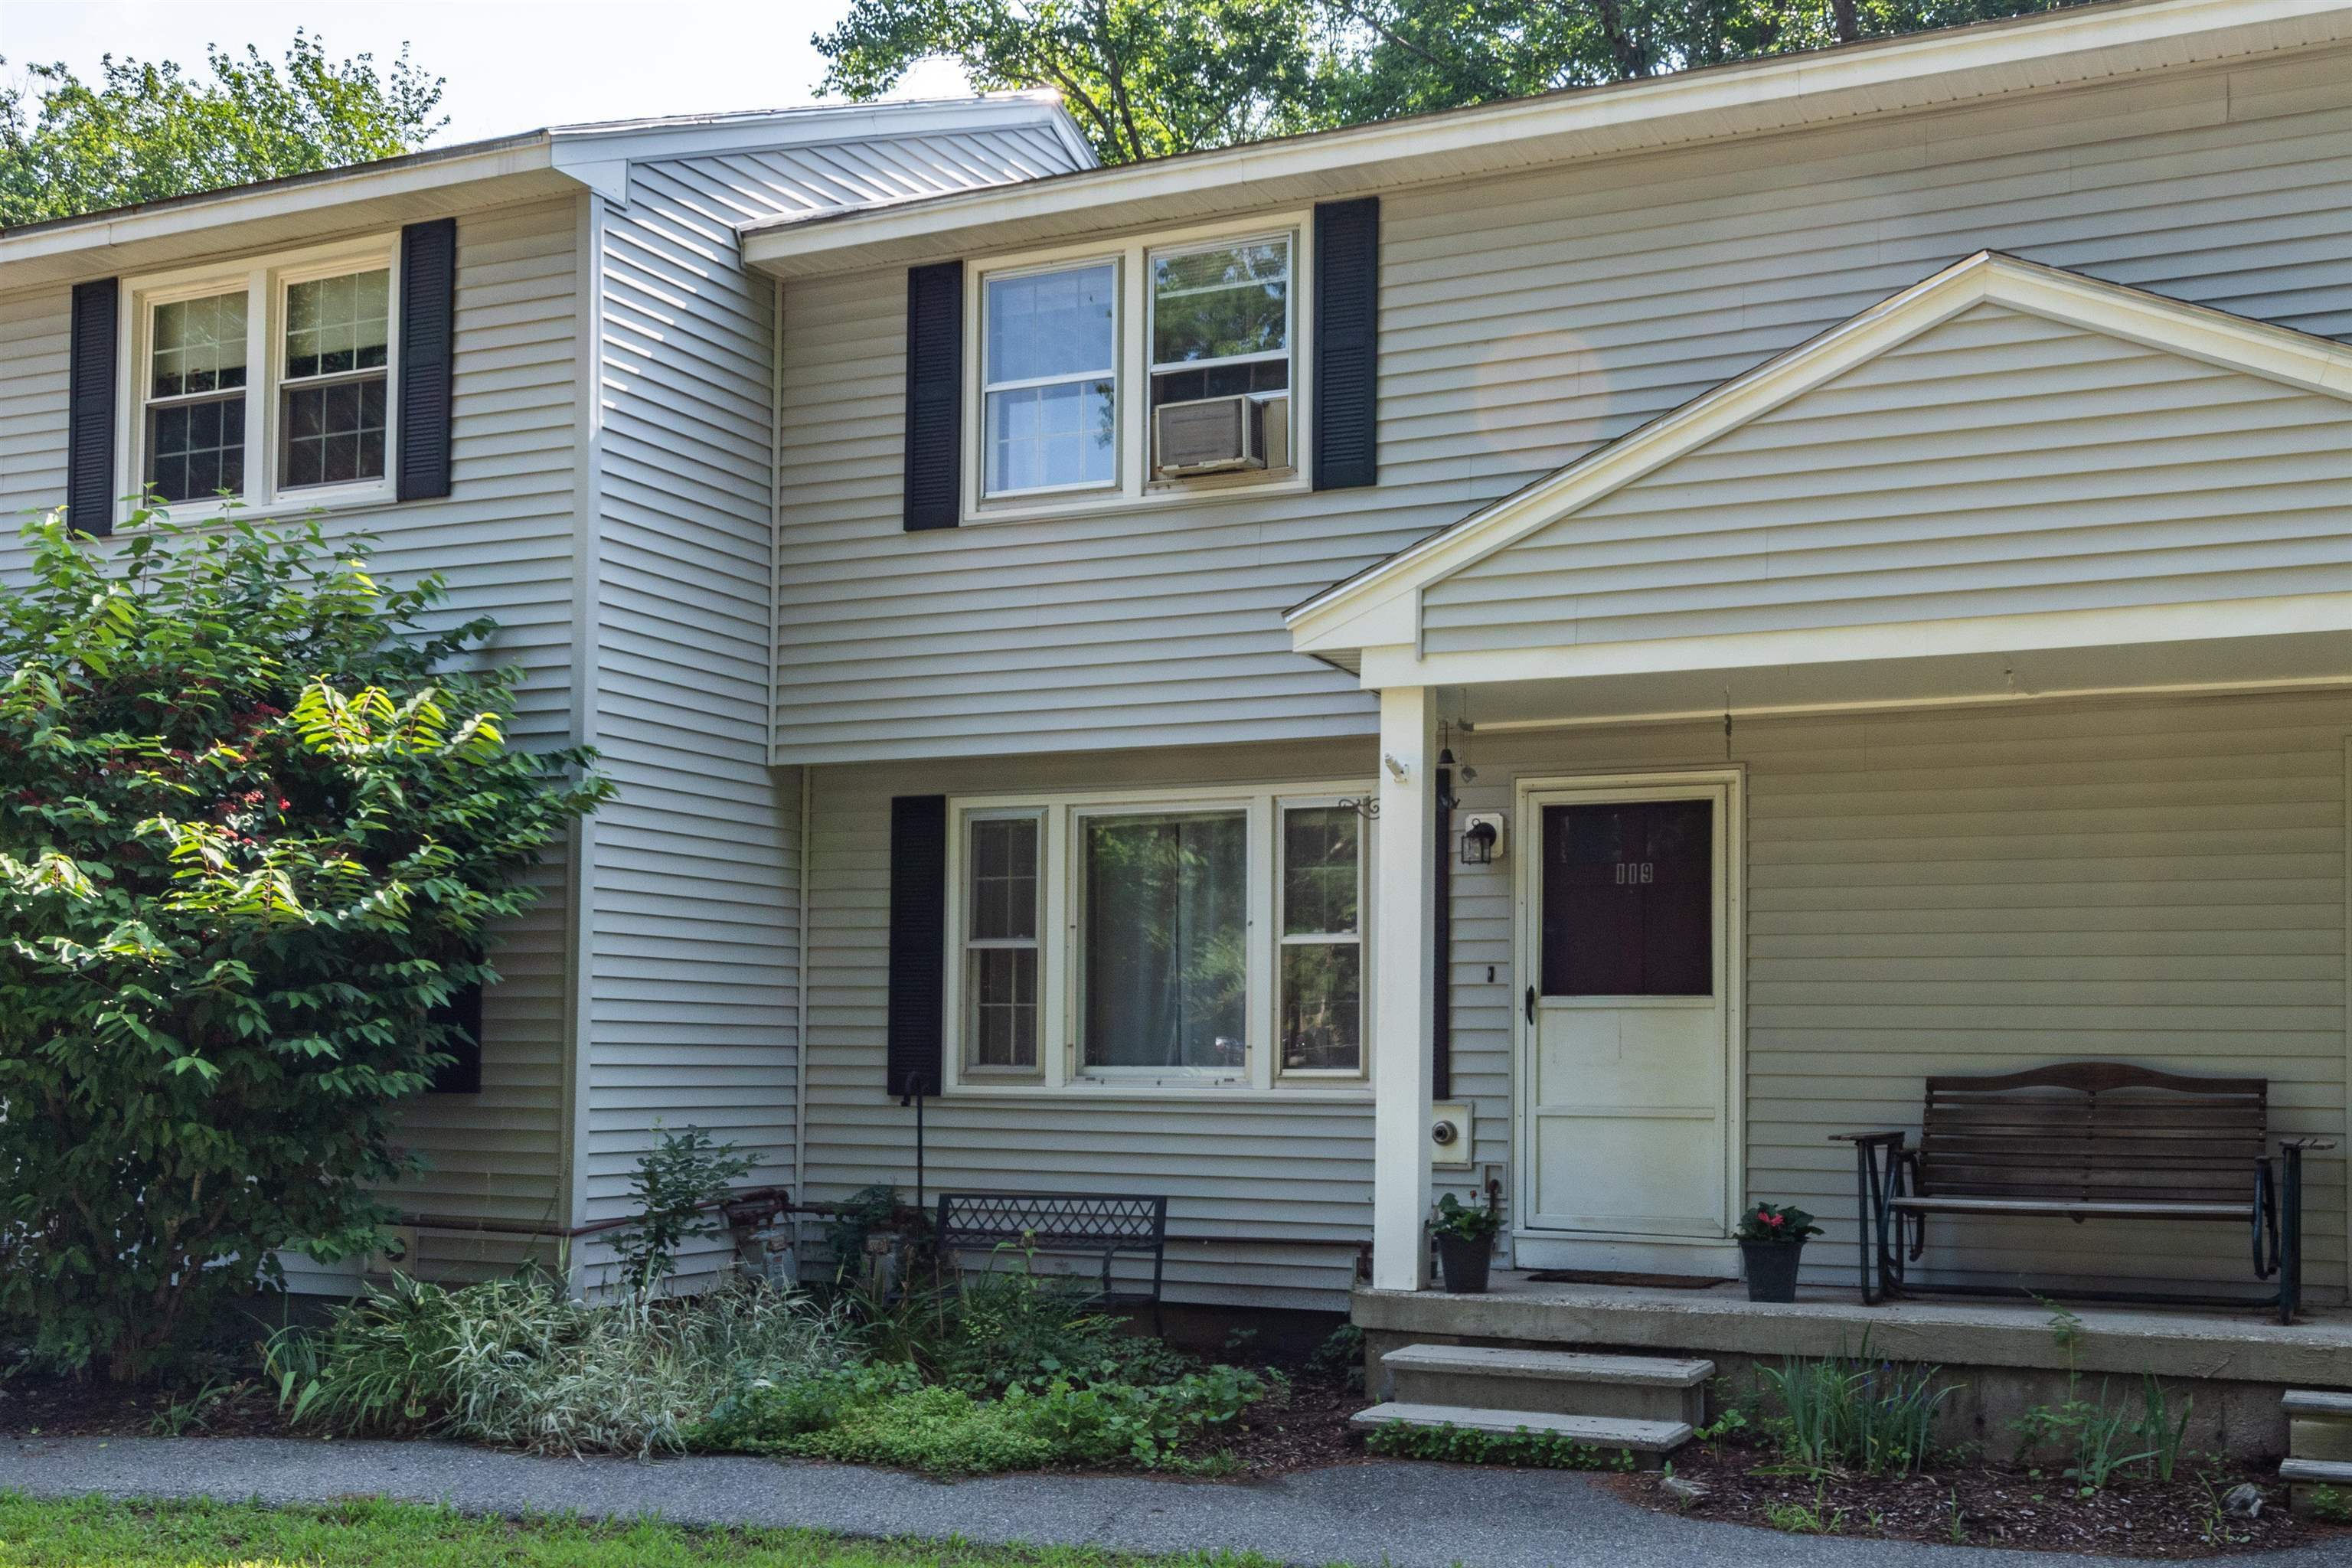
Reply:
x=505, y=538
x=1999, y=463
x=694, y=927
x=1981, y=890
x=1294, y=1179
x=1523, y=320
x=2159, y=883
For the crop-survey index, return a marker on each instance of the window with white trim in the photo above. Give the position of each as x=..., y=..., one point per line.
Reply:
x=1051, y=407
x=1221, y=320
x=265, y=380
x=1001, y=943
x=1321, y=967
x=1158, y=939
x=1077, y=354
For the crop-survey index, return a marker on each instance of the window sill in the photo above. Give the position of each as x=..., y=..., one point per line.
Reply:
x=339, y=498
x=1176, y=492
x=1207, y=1094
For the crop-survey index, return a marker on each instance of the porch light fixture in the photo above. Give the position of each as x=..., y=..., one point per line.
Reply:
x=1478, y=843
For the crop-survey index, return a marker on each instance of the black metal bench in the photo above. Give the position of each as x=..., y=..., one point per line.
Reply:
x=2083, y=1141
x=1108, y=1225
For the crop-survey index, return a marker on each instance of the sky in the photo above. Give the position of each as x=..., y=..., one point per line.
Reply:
x=511, y=65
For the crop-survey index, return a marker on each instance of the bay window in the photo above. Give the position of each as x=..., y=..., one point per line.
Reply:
x=266, y=380
x=1159, y=939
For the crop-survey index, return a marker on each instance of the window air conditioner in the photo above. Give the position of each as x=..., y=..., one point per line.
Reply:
x=1220, y=434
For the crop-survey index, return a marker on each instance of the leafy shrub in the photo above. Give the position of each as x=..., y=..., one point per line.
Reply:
x=1467, y=1446
x=1839, y=1413
x=257, y=829
x=675, y=1181
x=886, y=1415
x=513, y=1361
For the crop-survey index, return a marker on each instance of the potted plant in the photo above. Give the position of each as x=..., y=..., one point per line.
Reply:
x=1772, y=1240
x=1466, y=1243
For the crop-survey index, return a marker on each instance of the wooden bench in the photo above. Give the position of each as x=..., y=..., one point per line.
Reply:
x=2084, y=1140
x=1106, y=1225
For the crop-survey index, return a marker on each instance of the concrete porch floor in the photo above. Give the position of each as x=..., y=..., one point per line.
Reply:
x=2235, y=1363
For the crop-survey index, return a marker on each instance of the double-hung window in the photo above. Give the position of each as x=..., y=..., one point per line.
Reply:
x=1079, y=354
x=265, y=382
x=1051, y=396
x=1158, y=939
x=1221, y=320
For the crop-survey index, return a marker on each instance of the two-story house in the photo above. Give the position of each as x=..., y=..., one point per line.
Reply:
x=537, y=366
x=1640, y=624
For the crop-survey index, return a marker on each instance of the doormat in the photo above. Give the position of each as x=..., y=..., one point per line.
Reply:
x=1608, y=1277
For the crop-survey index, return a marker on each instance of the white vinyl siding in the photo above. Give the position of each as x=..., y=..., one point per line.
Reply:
x=1295, y=1176
x=505, y=538
x=1522, y=322
x=694, y=943
x=1986, y=891
x=1998, y=463
x=1969, y=891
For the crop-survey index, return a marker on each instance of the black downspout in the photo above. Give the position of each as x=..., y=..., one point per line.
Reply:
x=1440, y=936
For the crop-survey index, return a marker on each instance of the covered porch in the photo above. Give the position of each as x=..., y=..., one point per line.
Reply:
x=2002, y=1357
x=1964, y=692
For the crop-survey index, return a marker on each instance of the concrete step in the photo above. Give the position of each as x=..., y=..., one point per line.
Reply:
x=2320, y=1424
x=1557, y=1383
x=1647, y=1439
x=2306, y=1479
x=2321, y=1404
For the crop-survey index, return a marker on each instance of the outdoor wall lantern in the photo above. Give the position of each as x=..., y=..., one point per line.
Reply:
x=1481, y=836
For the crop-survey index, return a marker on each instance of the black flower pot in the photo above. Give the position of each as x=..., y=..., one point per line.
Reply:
x=1465, y=1262
x=1771, y=1268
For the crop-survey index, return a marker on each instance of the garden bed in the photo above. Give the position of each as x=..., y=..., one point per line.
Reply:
x=1980, y=1505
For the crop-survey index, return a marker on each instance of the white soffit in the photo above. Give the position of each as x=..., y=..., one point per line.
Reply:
x=1380, y=606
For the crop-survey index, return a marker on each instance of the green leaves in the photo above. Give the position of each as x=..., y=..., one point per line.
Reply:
x=248, y=851
x=146, y=132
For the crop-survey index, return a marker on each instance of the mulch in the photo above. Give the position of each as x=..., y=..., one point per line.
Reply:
x=1304, y=1429
x=36, y=1407
x=1985, y=1505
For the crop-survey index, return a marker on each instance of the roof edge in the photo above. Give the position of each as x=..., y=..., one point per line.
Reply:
x=1766, y=95
x=1321, y=624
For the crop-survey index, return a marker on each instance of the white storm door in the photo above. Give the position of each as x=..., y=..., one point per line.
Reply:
x=1626, y=1017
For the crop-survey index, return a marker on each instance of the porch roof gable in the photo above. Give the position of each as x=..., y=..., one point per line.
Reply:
x=1384, y=605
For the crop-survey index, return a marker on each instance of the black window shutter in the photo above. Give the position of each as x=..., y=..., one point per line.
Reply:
x=1347, y=343
x=934, y=395
x=89, y=407
x=919, y=934
x=428, y=331
x=463, y=1011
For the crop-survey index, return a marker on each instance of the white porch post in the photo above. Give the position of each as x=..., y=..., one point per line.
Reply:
x=1401, y=993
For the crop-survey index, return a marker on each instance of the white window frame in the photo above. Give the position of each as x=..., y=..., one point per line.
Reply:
x=1113, y=371
x=1061, y=926
x=964, y=999
x=1134, y=486
x=1360, y=938
x=265, y=280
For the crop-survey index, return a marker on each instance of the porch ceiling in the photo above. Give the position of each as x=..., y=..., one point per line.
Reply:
x=2008, y=478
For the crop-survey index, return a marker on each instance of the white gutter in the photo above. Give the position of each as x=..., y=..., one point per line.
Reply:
x=1782, y=93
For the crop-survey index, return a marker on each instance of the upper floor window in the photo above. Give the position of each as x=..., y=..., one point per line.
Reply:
x=1052, y=379
x=265, y=381
x=1154, y=368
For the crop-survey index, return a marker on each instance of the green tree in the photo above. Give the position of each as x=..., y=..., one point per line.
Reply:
x=1149, y=78
x=1144, y=77
x=259, y=824
x=147, y=131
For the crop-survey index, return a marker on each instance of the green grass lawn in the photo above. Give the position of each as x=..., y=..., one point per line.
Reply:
x=92, y=1532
